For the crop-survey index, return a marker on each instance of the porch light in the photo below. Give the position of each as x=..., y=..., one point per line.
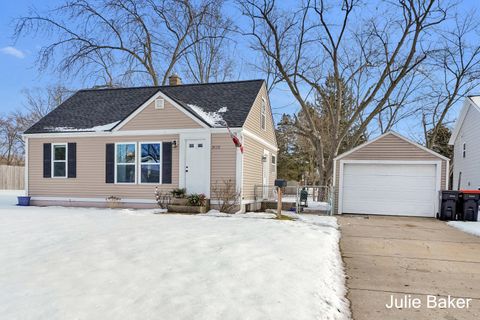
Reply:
x=264, y=158
x=174, y=143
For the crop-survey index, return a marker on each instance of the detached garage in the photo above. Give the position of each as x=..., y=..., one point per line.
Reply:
x=390, y=175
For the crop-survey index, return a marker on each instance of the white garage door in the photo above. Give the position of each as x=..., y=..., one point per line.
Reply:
x=389, y=189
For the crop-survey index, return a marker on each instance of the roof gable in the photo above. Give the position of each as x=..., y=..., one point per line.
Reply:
x=471, y=102
x=104, y=109
x=403, y=147
x=148, y=117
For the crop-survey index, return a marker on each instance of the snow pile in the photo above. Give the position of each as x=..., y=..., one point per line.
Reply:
x=78, y=263
x=105, y=127
x=8, y=198
x=317, y=206
x=214, y=119
x=467, y=226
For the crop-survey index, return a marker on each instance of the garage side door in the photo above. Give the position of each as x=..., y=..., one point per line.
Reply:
x=389, y=189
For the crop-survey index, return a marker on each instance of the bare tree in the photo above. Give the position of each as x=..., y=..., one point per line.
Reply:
x=458, y=65
x=316, y=39
x=11, y=145
x=208, y=58
x=118, y=41
x=40, y=101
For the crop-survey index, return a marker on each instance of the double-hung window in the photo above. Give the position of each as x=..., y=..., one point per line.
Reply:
x=263, y=116
x=125, y=166
x=150, y=162
x=59, y=160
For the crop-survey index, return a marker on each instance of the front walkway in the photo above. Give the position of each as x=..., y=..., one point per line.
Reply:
x=412, y=257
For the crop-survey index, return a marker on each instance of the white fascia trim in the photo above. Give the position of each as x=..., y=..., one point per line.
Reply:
x=74, y=199
x=438, y=165
x=398, y=136
x=463, y=114
x=259, y=139
x=447, y=176
x=26, y=166
x=130, y=133
x=157, y=95
x=239, y=169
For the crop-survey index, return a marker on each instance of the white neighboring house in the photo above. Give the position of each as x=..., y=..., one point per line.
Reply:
x=466, y=141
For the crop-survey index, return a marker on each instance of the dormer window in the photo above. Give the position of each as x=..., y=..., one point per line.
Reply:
x=263, y=116
x=159, y=103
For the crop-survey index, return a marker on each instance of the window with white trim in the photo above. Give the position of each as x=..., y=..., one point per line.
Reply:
x=59, y=160
x=125, y=162
x=150, y=162
x=263, y=115
x=274, y=163
x=159, y=103
x=464, y=153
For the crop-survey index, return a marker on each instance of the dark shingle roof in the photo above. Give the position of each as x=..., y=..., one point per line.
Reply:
x=88, y=109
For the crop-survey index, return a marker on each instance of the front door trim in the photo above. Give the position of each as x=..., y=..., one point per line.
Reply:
x=182, y=157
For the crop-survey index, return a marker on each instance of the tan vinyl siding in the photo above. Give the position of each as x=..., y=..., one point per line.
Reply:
x=155, y=119
x=252, y=166
x=90, y=181
x=253, y=121
x=223, y=159
x=390, y=147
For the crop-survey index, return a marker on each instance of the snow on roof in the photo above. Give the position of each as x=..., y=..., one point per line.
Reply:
x=215, y=119
x=105, y=127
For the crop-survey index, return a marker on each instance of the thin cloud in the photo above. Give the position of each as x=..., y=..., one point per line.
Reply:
x=14, y=52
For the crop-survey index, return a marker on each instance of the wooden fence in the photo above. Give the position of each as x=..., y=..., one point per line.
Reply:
x=12, y=177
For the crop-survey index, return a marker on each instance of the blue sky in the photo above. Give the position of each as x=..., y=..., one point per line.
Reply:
x=17, y=61
x=18, y=71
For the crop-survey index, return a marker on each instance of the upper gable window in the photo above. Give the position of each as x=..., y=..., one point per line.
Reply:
x=464, y=153
x=159, y=103
x=263, y=115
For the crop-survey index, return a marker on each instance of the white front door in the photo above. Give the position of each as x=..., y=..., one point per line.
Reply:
x=390, y=189
x=196, y=158
x=265, y=173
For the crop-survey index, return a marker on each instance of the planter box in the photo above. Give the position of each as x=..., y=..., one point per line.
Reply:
x=186, y=209
x=179, y=201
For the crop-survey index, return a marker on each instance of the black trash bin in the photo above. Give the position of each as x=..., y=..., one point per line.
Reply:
x=470, y=206
x=448, y=205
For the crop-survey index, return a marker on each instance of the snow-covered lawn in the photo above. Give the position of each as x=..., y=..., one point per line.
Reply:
x=472, y=227
x=73, y=263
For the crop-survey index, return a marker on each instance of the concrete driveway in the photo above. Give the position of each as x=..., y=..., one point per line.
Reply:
x=412, y=258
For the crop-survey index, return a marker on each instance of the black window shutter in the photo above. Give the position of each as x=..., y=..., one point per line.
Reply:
x=47, y=160
x=167, y=162
x=110, y=163
x=72, y=160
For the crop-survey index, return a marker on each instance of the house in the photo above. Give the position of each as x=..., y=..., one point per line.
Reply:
x=466, y=142
x=124, y=142
x=390, y=175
